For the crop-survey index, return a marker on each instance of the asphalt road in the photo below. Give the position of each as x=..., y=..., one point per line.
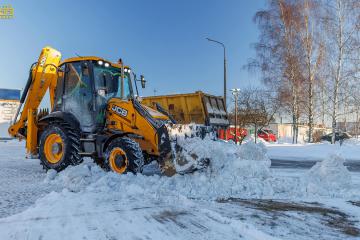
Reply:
x=353, y=166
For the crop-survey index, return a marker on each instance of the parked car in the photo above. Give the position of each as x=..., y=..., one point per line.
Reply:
x=229, y=134
x=339, y=136
x=267, y=134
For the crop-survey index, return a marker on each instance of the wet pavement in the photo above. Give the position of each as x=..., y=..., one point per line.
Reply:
x=353, y=166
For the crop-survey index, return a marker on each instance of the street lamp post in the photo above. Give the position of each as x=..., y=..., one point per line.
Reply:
x=223, y=45
x=235, y=92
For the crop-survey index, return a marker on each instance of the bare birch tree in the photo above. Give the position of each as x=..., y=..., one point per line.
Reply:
x=313, y=49
x=278, y=52
x=342, y=23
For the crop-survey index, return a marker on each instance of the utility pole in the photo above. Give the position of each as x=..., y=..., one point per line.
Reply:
x=235, y=92
x=223, y=45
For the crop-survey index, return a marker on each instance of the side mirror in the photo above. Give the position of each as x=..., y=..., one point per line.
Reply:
x=142, y=79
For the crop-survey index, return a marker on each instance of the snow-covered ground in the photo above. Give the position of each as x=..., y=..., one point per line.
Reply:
x=4, y=130
x=350, y=150
x=237, y=197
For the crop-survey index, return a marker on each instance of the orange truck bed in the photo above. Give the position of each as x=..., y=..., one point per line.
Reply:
x=198, y=107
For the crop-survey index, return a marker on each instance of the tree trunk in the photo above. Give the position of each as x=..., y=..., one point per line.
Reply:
x=311, y=113
x=323, y=103
x=294, y=113
x=338, y=70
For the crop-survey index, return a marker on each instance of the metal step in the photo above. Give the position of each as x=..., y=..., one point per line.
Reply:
x=87, y=153
x=87, y=139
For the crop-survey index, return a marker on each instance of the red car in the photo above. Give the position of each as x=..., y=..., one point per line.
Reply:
x=267, y=135
x=229, y=133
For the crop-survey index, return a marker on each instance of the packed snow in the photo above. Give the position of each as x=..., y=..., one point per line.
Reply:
x=329, y=176
x=350, y=150
x=4, y=129
x=238, y=196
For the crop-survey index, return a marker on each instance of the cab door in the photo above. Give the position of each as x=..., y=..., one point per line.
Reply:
x=78, y=94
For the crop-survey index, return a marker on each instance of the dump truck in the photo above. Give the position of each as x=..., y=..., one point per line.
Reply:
x=199, y=108
x=94, y=112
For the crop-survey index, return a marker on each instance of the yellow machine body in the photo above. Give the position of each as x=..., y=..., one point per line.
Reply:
x=133, y=122
x=123, y=117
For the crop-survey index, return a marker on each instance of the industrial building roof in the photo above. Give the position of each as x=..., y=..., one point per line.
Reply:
x=9, y=94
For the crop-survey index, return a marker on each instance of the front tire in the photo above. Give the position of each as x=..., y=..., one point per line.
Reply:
x=59, y=147
x=124, y=155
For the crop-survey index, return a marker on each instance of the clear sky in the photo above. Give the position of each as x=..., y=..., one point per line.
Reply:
x=162, y=39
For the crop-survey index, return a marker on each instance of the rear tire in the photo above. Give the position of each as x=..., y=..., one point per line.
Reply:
x=59, y=147
x=124, y=155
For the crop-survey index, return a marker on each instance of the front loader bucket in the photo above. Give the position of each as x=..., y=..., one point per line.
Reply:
x=179, y=159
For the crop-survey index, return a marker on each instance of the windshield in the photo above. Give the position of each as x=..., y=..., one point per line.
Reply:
x=108, y=82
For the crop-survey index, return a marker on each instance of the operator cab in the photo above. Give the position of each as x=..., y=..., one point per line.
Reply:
x=86, y=84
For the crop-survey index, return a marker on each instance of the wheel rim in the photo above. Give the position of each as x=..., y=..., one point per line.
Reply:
x=118, y=160
x=54, y=148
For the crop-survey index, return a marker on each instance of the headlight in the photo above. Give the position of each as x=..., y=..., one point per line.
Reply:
x=107, y=64
x=100, y=62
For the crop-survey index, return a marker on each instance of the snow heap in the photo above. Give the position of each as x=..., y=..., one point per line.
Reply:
x=76, y=178
x=4, y=129
x=233, y=172
x=329, y=177
x=181, y=131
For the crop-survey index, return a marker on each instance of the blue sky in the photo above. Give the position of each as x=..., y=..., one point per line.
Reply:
x=164, y=40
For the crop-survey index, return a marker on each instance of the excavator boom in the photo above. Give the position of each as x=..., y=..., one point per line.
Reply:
x=42, y=76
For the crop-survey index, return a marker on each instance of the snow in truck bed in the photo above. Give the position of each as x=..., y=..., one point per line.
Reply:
x=237, y=197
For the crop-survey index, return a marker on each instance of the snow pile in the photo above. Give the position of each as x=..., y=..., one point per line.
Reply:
x=233, y=172
x=237, y=171
x=329, y=177
x=76, y=178
x=181, y=131
x=250, y=160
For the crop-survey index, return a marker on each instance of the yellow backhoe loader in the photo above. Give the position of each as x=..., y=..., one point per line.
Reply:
x=94, y=113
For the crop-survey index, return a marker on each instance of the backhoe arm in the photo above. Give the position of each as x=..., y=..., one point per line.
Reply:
x=43, y=76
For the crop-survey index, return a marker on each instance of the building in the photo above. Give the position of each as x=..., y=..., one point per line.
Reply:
x=284, y=132
x=9, y=103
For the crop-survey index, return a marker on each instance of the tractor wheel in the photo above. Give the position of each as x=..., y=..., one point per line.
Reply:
x=59, y=147
x=124, y=155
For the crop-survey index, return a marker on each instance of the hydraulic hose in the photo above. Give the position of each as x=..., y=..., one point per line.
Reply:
x=25, y=92
x=28, y=84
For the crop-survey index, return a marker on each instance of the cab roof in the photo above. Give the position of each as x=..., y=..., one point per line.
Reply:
x=90, y=58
